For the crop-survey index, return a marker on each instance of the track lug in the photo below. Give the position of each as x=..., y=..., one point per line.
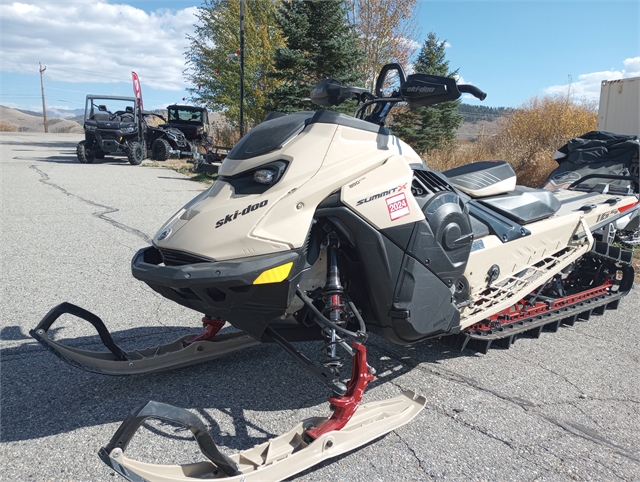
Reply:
x=585, y=315
x=534, y=333
x=505, y=342
x=553, y=326
x=613, y=305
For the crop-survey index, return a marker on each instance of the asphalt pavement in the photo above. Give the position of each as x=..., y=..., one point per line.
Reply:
x=562, y=407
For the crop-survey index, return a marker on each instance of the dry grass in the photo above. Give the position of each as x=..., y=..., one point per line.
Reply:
x=183, y=167
x=225, y=134
x=526, y=139
x=6, y=126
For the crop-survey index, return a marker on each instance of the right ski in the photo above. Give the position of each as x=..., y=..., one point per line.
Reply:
x=276, y=459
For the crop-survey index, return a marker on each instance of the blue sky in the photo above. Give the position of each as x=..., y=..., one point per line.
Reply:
x=511, y=49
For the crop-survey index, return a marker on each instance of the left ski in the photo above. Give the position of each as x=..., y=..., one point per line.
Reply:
x=185, y=351
x=276, y=459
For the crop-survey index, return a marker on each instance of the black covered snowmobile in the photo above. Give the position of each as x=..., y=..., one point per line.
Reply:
x=327, y=227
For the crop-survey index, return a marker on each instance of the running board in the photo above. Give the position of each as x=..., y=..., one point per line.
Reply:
x=277, y=459
x=178, y=353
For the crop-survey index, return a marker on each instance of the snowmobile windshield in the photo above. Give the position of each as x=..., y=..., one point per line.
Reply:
x=270, y=135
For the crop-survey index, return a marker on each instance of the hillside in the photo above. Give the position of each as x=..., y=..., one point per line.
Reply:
x=22, y=122
x=477, y=121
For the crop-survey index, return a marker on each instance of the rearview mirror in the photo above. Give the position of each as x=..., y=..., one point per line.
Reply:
x=422, y=89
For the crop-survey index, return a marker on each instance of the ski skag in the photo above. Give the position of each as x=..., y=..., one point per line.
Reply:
x=328, y=228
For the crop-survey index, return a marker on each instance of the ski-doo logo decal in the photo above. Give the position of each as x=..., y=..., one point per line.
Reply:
x=398, y=206
x=250, y=208
x=382, y=194
x=419, y=89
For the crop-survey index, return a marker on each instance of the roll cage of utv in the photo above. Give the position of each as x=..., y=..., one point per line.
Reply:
x=117, y=132
x=193, y=121
x=165, y=140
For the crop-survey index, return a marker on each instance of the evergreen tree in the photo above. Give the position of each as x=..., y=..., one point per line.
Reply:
x=319, y=43
x=214, y=68
x=431, y=127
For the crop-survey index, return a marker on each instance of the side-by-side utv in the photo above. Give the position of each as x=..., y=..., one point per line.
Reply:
x=112, y=125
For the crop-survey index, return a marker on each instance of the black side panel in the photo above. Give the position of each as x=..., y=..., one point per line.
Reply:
x=422, y=304
x=443, y=243
x=401, y=299
x=378, y=265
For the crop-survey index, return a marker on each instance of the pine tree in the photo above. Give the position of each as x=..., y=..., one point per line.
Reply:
x=431, y=127
x=214, y=69
x=319, y=44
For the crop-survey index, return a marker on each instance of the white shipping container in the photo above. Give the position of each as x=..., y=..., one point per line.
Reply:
x=619, y=110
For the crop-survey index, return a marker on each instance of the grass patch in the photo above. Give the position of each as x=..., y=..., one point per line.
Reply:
x=185, y=168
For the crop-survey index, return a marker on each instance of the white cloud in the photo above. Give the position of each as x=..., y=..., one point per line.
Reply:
x=588, y=85
x=87, y=41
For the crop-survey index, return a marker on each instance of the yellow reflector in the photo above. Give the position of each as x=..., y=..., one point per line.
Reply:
x=274, y=275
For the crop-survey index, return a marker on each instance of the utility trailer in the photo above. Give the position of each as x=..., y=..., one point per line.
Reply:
x=619, y=110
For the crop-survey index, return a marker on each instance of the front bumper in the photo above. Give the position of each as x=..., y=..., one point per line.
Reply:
x=223, y=289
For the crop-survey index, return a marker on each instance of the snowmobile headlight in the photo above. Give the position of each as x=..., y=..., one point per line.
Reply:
x=264, y=176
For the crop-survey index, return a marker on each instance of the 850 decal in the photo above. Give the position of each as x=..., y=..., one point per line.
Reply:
x=249, y=209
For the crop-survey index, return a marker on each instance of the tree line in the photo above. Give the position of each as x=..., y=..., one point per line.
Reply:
x=291, y=45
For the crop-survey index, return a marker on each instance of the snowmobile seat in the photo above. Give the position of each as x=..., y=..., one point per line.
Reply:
x=484, y=178
x=524, y=205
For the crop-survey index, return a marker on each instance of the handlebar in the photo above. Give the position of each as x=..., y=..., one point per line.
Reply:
x=470, y=89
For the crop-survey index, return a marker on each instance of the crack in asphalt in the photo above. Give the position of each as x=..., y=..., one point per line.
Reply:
x=44, y=178
x=572, y=428
x=411, y=450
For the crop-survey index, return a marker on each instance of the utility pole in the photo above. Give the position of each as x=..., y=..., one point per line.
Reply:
x=44, y=105
x=241, y=68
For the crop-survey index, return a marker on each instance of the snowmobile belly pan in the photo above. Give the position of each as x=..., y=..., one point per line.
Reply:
x=224, y=289
x=281, y=457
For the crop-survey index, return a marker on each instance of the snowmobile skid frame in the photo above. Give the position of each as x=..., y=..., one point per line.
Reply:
x=529, y=317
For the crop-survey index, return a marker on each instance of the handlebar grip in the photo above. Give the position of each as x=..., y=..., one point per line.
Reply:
x=474, y=91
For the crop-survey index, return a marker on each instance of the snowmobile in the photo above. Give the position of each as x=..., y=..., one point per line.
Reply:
x=323, y=226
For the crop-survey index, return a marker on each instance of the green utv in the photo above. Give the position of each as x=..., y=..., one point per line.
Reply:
x=112, y=125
